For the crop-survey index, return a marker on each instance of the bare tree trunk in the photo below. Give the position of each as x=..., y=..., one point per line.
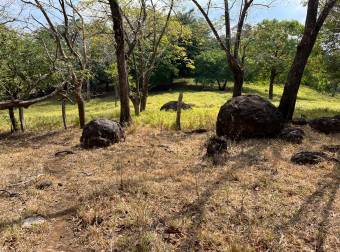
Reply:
x=81, y=104
x=22, y=119
x=125, y=117
x=238, y=82
x=222, y=87
x=88, y=90
x=14, y=126
x=136, y=101
x=179, y=110
x=145, y=93
x=271, y=83
x=312, y=27
x=63, y=112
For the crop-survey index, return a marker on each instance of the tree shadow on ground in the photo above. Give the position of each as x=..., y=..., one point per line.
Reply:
x=320, y=203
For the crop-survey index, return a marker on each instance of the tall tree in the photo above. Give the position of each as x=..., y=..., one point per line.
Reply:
x=67, y=26
x=234, y=59
x=125, y=116
x=147, y=48
x=316, y=16
x=273, y=46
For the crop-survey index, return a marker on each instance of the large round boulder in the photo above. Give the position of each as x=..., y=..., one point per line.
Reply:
x=248, y=116
x=326, y=124
x=101, y=133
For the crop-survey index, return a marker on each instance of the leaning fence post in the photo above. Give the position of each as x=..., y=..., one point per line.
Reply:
x=179, y=109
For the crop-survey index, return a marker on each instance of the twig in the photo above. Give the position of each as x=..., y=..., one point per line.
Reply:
x=27, y=181
x=10, y=194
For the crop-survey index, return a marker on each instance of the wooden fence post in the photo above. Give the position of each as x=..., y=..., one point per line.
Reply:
x=179, y=109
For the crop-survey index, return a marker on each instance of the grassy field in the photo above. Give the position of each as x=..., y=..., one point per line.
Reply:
x=47, y=115
x=158, y=191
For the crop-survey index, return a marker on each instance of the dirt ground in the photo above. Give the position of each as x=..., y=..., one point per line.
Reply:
x=157, y=192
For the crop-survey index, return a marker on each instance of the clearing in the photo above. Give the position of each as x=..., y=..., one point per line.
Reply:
x=157, y=192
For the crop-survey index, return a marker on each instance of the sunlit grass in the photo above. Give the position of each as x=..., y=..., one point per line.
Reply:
x=47, y=115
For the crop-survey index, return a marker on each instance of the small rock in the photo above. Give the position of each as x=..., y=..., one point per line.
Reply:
x=332, y=148
x=216, y=145
x=41, y=185
x=33, y=221
x=292, y=135
x=326, y=125
x=63, y=153
x=309, y=157
x=198, y=131
x=300, y=121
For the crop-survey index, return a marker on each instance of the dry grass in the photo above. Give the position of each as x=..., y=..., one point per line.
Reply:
x=156, y=192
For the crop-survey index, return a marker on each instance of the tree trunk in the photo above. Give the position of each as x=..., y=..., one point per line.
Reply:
x=14, y=126
x=81, y=105
x=145, y=93
x=271, y=83
x=136, y=101
x=222, y=87
x=238, y=82
x=125, y=117
x=88, y=90
x=22, y=119
x=63, y=112
x=312, y=27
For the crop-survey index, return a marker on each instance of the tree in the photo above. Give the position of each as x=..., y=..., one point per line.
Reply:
x=26, y=73
x=125, y=116
x=147, y=47
x=234, y=59
x=66, y=24
x=272, y=47
x=316, y=16
x=211, y=67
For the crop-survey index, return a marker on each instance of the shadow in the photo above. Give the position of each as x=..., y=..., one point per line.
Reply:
x=27, y=138
x=321, y=202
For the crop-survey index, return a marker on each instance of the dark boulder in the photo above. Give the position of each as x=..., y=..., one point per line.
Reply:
x=292, y=135
x=101, y=133
x=41, y=185
x=172, y=105
x=309, y=157
x=300, y=121
x=326, y=125
x=216, y=145
x=332, y=148
x=248, y=116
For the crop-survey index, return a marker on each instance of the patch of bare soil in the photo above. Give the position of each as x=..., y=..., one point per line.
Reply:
x=157, y=192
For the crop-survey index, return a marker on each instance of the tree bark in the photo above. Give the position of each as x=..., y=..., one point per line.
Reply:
x=238, y=82
x=312, y=27
x=22, y=119
x=125, y=117
x=271, y=83
x=88, y=90
x=63, y=112
x=14, y=127
x=136, y=101
x=145, y=93
x=222, y=87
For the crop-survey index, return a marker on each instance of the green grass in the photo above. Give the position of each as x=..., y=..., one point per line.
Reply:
x=47, y=115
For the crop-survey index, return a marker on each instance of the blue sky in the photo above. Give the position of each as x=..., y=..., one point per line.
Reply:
x=280, y=9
